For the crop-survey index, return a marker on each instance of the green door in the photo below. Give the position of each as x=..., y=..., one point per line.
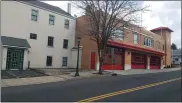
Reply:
x=15, y=58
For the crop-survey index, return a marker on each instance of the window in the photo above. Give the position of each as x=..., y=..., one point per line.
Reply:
x=49, y=61
x=176, y=59
x=148, y=41
x=33, y=36
x=50, y=41
x=163, y=46
x=65, y=44
x=158, y=45
x=66, y=24
x=136, y=38
x=34, y=15
x=51, y=19
x=118, y=33
x=64, y=61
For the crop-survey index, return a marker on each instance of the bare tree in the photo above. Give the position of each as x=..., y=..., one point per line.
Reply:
x=107, y=16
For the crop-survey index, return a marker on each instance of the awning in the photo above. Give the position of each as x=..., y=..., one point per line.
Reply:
x=126, y=45
x=14, y=42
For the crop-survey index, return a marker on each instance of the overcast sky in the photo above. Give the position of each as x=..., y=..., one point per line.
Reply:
x=163, y=13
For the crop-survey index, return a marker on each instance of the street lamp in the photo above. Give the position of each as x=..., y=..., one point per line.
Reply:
x=77, y=67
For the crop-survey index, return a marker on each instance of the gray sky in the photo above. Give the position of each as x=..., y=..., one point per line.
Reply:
x=163, y=13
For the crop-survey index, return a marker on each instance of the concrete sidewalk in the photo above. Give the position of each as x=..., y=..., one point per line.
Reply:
x=142, y=71
x=45, y=79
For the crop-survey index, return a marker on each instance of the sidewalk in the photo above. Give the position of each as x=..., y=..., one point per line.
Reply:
x=46, y=79
x=142, y=71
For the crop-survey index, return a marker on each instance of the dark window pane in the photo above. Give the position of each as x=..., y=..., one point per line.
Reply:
x=65, y=43
x=49, y=61
x=50, y=41
x=64, y=61
x=34, y=15
x=33, y=36
x=66, y=24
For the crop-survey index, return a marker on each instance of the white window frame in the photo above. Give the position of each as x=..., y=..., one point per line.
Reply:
x=136, y=36
x=148, y=41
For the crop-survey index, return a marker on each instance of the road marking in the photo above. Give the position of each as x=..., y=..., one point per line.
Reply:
x=127, y=90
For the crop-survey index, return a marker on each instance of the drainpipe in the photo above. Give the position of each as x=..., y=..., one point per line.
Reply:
x=0, y=53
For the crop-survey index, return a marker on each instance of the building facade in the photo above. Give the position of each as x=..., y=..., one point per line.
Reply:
x=36, y=35
x=136, y=48
x=176, y=57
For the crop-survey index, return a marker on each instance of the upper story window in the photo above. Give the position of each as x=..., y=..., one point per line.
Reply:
x=158, y=45
x=163, y=46
x=118, y=33
x=34, y=15
x=33, y=36
x=65, y=44
x=148, y=41
x=66, y=24
x=51, y=19
x=50, y=41
x=136, y=38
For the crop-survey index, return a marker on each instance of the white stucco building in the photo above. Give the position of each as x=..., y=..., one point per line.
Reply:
x=37, y=35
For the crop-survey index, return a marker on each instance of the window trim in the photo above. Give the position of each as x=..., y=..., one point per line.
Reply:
x=158, y=45
x=64, y=61
x=52, y=41
x=34, y=15
x=149, y=42
x=135, y=34
x=65, y=24
x=64, y=43
x=34, y=35
x=51, y=19
x=119, y=31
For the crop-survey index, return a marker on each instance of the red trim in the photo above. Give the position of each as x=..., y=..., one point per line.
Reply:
x=134, y=47
x=135, y=66
x=154, y=67
x=112, y=67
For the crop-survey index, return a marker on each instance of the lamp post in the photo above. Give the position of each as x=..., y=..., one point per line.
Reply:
x=77, y=67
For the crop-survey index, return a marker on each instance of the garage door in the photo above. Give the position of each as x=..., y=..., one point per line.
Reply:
x=113, y=59
x=138, y=61
x=155, y=62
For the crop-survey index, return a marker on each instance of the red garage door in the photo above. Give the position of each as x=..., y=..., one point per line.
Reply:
x=138, y=61
x=155, y=62
x=113, y=59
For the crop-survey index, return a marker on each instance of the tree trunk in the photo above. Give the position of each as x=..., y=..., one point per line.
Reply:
x=101, y=60
x=100, y=65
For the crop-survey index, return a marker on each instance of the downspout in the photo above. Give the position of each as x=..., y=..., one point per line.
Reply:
x=0, y=53
x=0, y=46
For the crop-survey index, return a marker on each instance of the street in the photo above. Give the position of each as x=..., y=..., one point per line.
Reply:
x=83, y=89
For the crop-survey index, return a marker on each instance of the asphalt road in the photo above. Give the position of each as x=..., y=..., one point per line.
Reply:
x=79, y=89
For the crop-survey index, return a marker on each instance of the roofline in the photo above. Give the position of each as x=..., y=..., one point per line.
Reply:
x=45, y=9
x=123, y=45
x=161, y=28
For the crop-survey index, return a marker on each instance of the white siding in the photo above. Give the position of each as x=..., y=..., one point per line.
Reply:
x=16, y=22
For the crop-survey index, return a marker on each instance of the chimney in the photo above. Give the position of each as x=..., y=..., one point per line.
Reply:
x=69, y=8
